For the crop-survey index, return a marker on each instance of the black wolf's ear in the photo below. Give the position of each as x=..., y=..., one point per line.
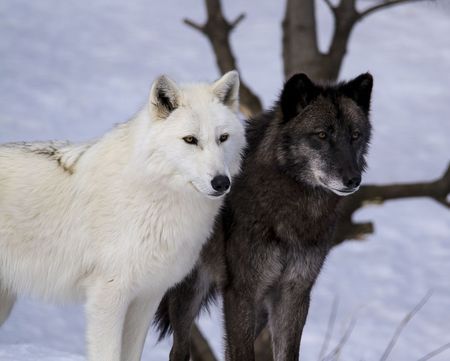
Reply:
x=360, y=90
x=227, y=89
x=297, y=93
x=164, y=96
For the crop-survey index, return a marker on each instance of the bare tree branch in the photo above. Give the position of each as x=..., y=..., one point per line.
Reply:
x=439, y=190
x=218, y=29
x=194, y=25
x=383, y=5
x=403, y=324
x=330, y=5
x=345, y=18
x=237, y=21
x=307, y=58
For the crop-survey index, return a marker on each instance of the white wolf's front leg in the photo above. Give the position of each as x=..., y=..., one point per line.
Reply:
x=106, y=309
x=137, y=322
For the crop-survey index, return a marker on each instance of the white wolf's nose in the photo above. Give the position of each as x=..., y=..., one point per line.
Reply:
x=220, y=183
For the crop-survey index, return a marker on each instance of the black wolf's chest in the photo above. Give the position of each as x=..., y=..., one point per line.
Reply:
x=289, y=269
x=302, y=265
x=299, y=224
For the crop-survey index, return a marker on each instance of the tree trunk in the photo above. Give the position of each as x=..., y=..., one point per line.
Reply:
x=301, y=52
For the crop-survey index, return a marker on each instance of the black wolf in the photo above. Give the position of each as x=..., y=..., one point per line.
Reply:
x=275, y=230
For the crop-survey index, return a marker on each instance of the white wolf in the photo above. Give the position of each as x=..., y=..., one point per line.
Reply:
x=120, y=220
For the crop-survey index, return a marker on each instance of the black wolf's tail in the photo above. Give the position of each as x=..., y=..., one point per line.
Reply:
x=181, y=304
x=162, y=318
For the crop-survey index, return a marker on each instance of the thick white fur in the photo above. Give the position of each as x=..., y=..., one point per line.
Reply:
x=118, y=221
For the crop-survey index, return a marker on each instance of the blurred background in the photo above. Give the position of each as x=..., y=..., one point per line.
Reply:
x=72, y=69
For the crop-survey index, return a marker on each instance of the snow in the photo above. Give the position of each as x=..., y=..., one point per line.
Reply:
x=69, y=70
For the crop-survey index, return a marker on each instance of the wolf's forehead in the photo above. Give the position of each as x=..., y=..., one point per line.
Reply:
x=211, y=114
x=350, y=112
x=204, y=122
x=197, y=97
x=339, y=112
x=322, y=113
x=202, y=110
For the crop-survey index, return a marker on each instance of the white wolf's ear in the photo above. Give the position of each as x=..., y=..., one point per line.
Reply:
x=227, y=89
x=164, y=96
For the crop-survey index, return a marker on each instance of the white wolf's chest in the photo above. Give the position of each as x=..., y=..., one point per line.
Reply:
x=158, y=241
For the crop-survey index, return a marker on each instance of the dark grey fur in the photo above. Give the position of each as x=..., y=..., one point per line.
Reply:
x=274, y=232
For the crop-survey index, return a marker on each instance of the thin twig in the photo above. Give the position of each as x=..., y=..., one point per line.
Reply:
x=236, y=21
x=330, y=327
x=194, y=25
x=435, y=352
x=403, y=324
x=334, y=355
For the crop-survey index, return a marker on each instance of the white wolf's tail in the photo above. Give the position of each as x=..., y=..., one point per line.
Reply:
x=6, y=304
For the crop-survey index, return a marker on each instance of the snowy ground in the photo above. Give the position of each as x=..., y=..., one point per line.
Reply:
x=70, y=70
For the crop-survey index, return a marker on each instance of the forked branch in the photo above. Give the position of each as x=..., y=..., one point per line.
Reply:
x=350, y=6
x=218, y=29
x=346, y=16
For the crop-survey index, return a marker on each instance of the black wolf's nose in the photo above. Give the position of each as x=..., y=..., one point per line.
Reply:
x=352, y=182
x=220, y=183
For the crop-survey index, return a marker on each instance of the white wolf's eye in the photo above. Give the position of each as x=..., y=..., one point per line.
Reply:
x=223, y=137
x=191, y=140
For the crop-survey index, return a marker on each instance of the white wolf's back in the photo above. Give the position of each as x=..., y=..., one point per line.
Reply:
x=37, y=227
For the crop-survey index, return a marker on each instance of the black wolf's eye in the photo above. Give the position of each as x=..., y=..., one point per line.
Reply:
x=191, y=140
x=223, y=137
x=322, y=135
x=356, y=135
